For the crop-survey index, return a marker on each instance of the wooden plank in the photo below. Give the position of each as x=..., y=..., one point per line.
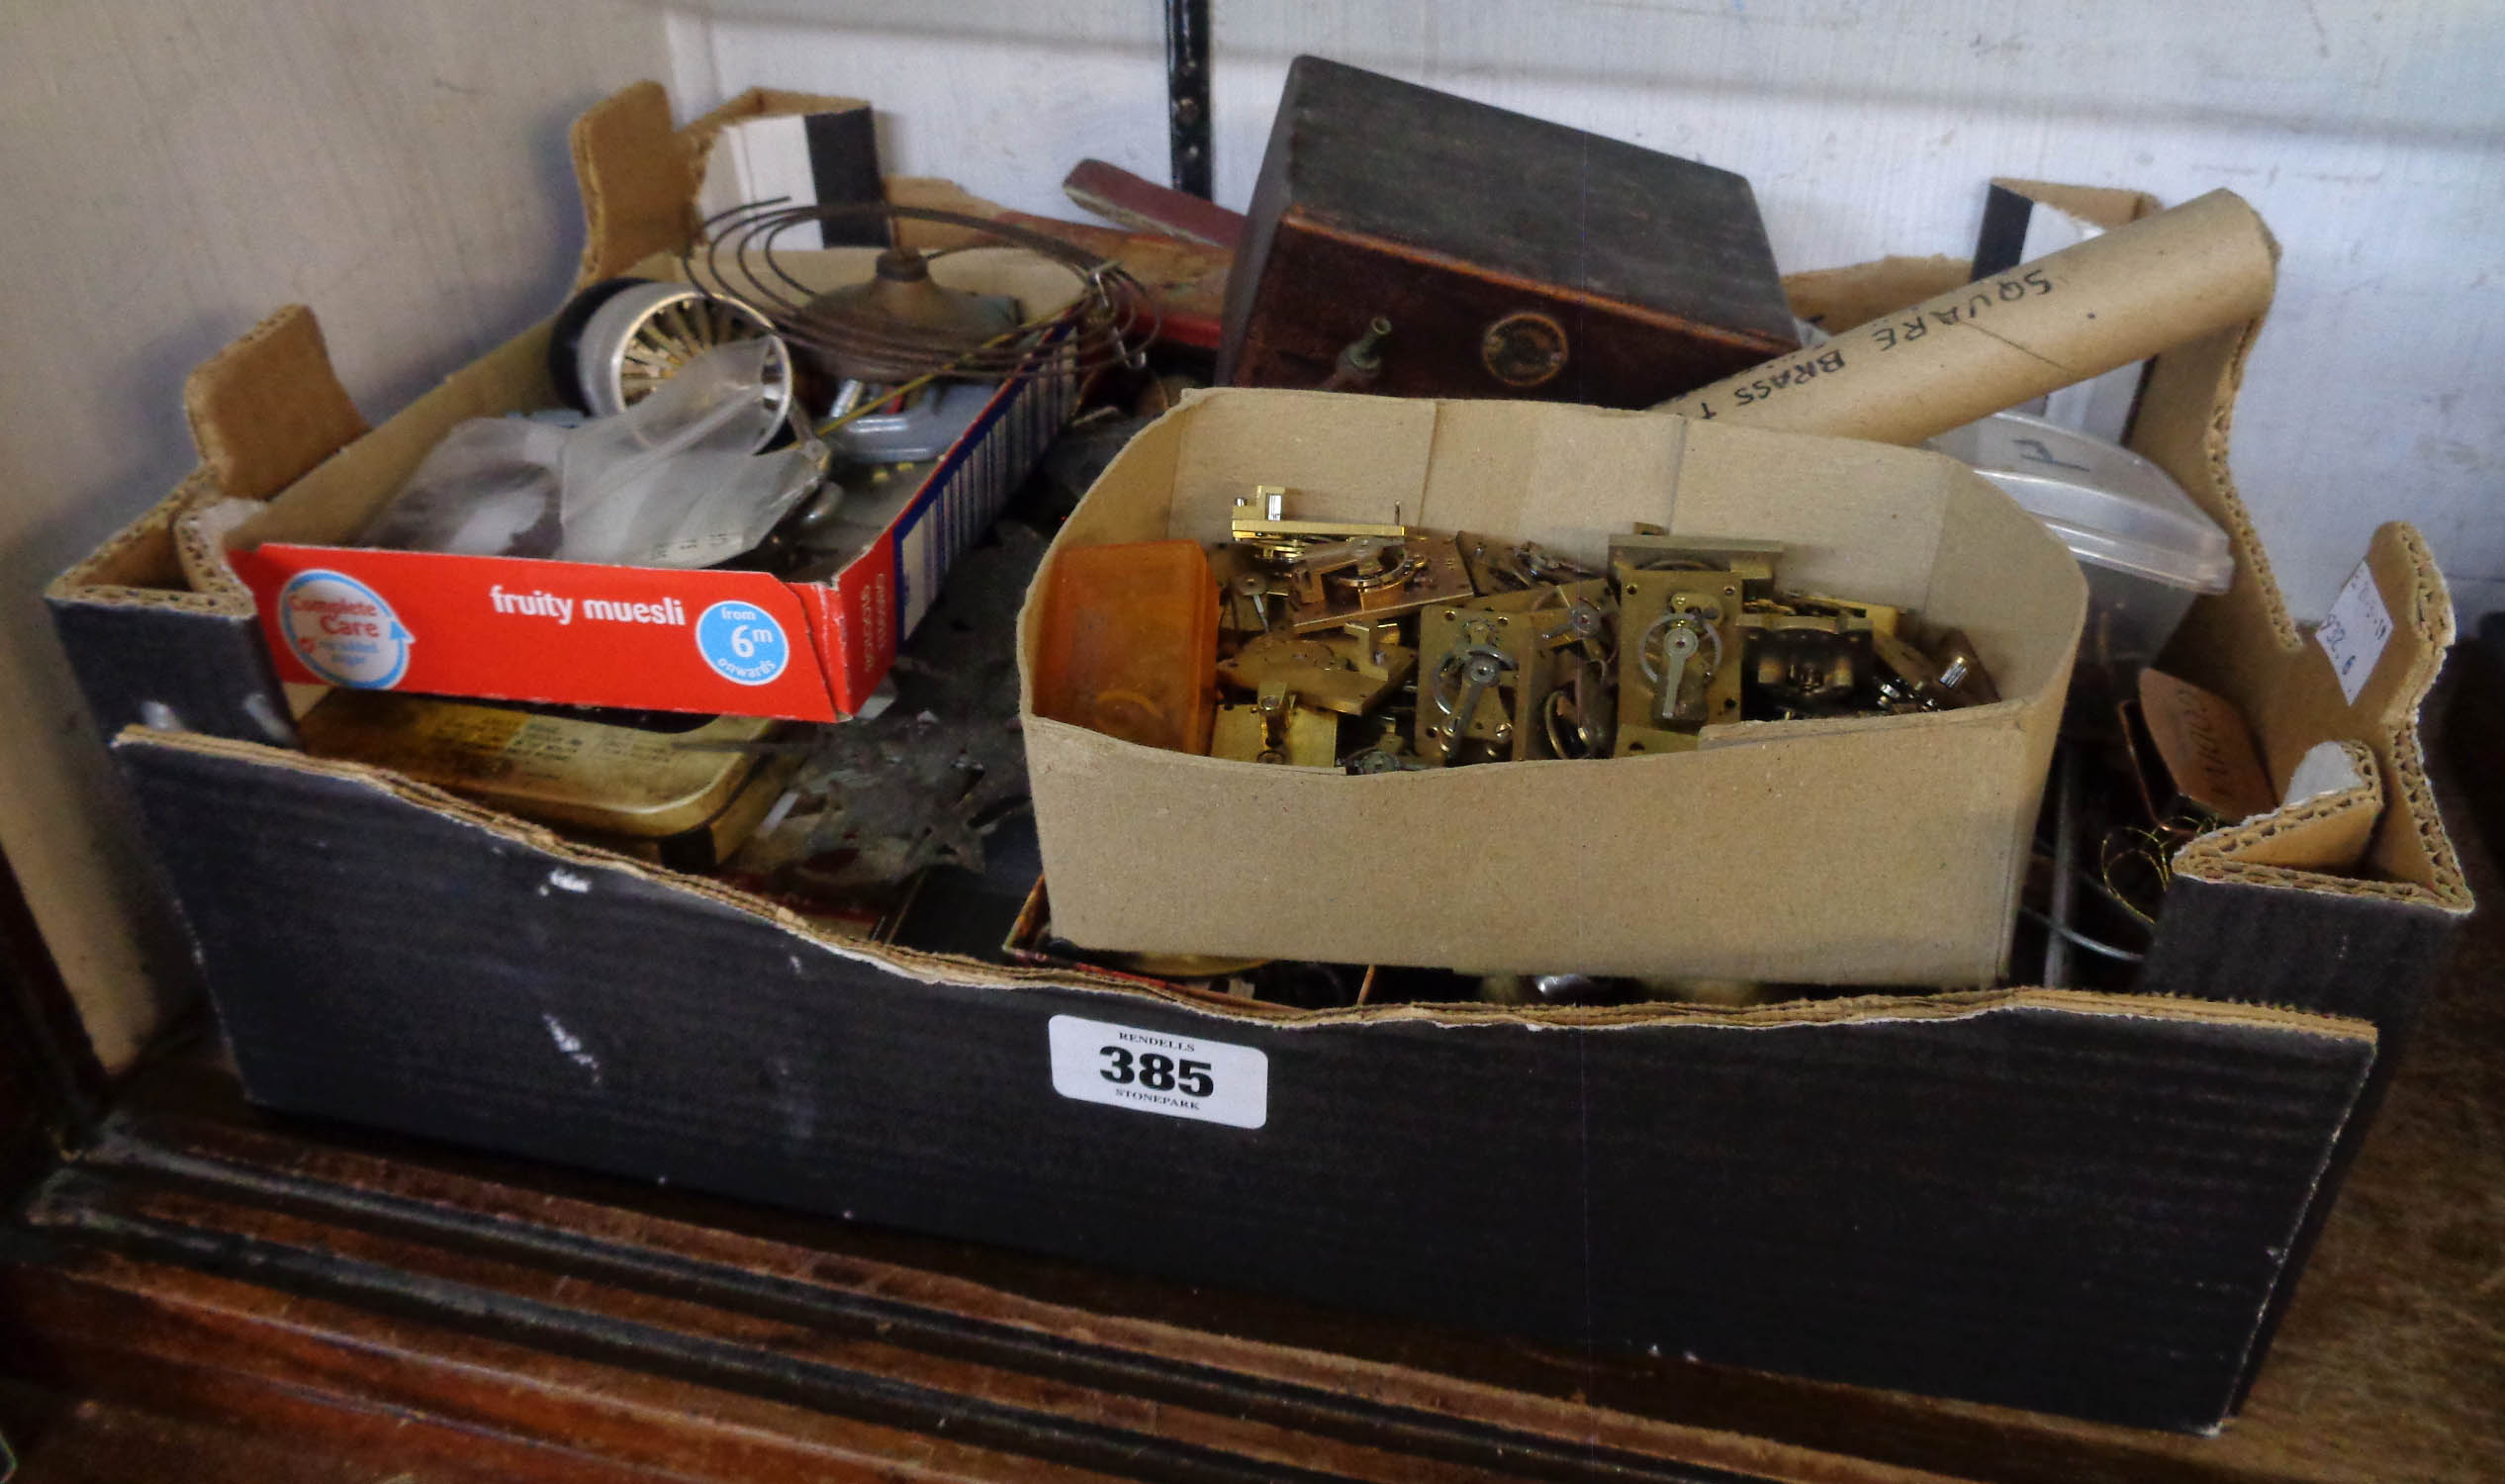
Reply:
x=1143, y=204
x=1434, y=1395
x=834, y=1362
x=68, y=1440
x=122, y=1327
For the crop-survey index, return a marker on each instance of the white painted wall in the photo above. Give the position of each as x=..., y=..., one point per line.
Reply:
x=174, y=170
x=2372, y=137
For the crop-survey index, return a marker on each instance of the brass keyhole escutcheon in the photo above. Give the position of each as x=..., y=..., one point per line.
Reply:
x=1524, y=349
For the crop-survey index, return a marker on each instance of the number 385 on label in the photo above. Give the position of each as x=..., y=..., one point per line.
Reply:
x=1157, y=1072
x=1154, y=1071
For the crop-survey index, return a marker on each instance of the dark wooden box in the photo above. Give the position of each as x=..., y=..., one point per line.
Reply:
x=1514, y=258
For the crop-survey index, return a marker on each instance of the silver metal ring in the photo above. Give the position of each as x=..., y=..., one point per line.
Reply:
x=1644, y=648
x=645, y=334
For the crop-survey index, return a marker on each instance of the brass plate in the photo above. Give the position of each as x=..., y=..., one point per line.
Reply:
x=1497, y=566
x=1504, y=716
x=1184, y=966
x=1261, y=517
x=1310, y=530
x=1554, y=595
x=1349, y=673
x=1880, y=617
x=1436, y=575
x=1653, y=551
x=1708, y=695
x=711, y=844
x=1311, y=737
x=1776, y=667
x=1961, y=670
x=1251, y=595
x=558, y=770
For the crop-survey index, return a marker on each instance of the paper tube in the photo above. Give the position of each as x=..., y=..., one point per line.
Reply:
x=2114, y=299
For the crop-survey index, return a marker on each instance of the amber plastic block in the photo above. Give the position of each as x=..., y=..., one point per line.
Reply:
x=1130, y=643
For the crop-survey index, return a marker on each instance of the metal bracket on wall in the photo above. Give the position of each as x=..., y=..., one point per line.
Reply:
x=1187, y=93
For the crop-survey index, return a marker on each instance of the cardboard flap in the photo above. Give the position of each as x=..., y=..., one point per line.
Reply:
x=2226, y=643
x=200, y=531
x=2328, y=832
x=1496, y=471
x=269, y=407
x=2413, y=592
x=1837, y=299
x=2105, y=206
x=702, y=134
x=2410, y=844
x=637, y=174
x=2293, y=697
x=138, y=559
x=754, y=103
x=2305, y=705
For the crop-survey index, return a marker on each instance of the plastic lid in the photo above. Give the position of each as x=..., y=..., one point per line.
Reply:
x=2110, y=506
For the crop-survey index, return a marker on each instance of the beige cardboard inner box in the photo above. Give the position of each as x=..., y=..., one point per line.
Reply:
x=1863, y=851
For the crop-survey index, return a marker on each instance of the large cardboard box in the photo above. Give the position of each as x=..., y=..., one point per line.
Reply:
x=2088, y=1203
x=1868, y=851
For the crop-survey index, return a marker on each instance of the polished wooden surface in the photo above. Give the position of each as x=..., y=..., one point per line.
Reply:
x=63, y=1439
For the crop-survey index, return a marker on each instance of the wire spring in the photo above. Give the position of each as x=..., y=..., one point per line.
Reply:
x=1108, y=324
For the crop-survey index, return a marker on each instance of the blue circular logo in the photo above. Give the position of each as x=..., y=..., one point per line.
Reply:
x=742, y=642
x=343, y=631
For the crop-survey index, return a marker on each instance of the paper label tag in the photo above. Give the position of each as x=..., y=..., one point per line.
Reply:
x=2204, y=747
x=2355, y=631
x=1151, y=1071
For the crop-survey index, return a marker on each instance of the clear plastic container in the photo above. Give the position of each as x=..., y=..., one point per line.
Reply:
x=2147, y=550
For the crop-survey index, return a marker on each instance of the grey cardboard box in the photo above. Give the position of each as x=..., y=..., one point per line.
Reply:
x=2086, y=1203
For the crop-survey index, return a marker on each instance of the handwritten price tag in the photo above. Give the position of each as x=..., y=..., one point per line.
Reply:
x=2355, y=631
x=1151, y=1071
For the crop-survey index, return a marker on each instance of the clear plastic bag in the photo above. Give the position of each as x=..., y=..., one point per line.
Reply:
x=668, y=483
x=489, y=489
